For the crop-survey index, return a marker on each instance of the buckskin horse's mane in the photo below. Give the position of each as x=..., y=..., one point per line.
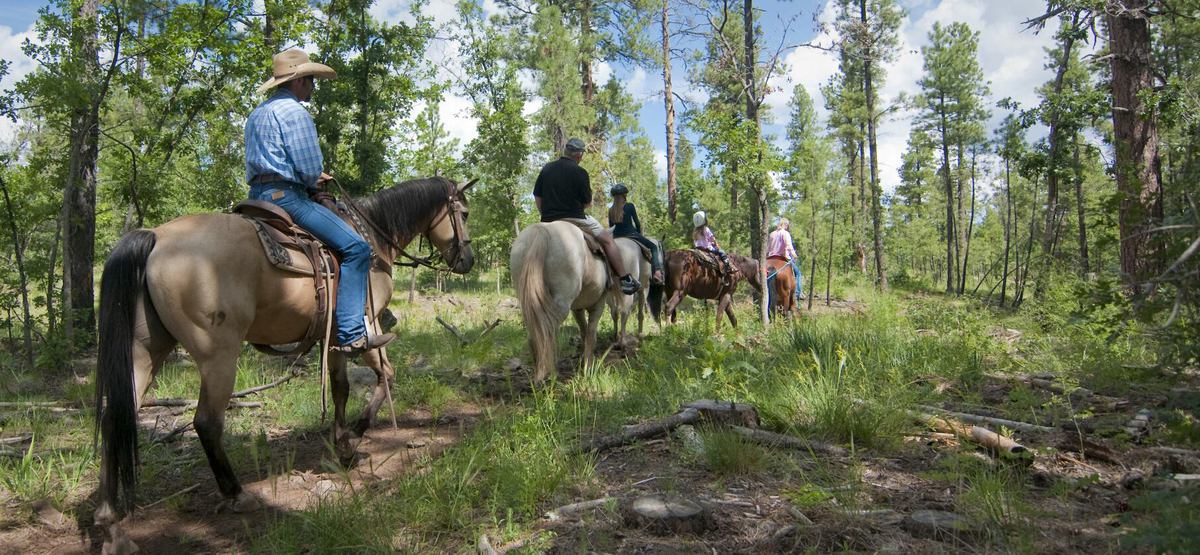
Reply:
x=403, y=210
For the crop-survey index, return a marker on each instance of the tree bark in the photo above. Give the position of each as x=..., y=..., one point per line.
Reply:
x=949, y=196
x=1135, y=130
x=79, y=194
x=970, y=230
x=759, y=209
x=1052, y=169
x=876, y=190
x=1007, y=228
x=829, y=260
x=669, y=104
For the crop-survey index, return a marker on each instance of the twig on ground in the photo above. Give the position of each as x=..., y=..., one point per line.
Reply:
x=173, y=495
x=173, y=434
x=192, y=403
x=453, y=330
x=641, y=431
x=779, y=440
x=15, y=440
x=576, y=508
x=239, y=394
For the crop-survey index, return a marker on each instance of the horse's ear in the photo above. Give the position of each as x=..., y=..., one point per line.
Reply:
x=463, y=188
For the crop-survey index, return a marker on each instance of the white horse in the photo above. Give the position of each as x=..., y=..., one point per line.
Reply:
x=554, y=273
x=622, y=305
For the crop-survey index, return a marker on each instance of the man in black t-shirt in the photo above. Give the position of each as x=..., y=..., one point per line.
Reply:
x=563, y=191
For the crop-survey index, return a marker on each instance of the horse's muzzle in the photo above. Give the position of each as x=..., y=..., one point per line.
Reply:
x=464, y=261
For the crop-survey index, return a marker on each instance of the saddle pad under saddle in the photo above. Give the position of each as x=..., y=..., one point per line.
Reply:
x=708, y=260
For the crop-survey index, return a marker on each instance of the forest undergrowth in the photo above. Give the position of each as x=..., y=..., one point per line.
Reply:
x=846, y=377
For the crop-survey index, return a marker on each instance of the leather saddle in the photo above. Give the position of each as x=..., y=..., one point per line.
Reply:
x=292, y=249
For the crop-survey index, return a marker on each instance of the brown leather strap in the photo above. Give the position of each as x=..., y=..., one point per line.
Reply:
x=267, y=178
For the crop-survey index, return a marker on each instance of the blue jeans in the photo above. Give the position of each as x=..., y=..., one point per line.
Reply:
x=355, y=253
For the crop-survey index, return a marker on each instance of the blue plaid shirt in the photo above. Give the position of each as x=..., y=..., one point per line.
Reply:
x=281, y=138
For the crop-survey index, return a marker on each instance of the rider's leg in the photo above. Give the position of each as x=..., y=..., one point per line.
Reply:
x=612, y=252
x=355, y=260
x=656, y=261
x=799, y=279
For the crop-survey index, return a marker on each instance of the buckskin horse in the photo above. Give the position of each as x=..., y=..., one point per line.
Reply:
x=202, y=281
x=554, y=272
x=686, y=274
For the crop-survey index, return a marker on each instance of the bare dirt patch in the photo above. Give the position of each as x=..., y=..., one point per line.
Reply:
x=179, y=517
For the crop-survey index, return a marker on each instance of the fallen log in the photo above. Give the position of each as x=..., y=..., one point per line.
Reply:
x=258, y=388
x=1089, y=449
x=15, y=440
x=976, y=434
x=779, y=440
x=641, y=431
x=34, y=404
x=988, y=420
x=725, y=412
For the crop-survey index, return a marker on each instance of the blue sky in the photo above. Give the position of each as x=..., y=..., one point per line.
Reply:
x=1012, y=59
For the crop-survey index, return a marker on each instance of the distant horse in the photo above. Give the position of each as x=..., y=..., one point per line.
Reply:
x=622, y=305
x=687, y=275
x=203, y=281
x=782, y=286
x=554, y=272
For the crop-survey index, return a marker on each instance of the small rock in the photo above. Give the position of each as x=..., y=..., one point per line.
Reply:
x=47, y=515
x=416, y=443
x=690, y=439
x=512, y=364
x=1132, y=479
x=936, y=524
x=324, y=488
x=361, y=376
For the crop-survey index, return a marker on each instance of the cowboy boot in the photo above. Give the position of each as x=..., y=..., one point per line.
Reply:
x=364, y=344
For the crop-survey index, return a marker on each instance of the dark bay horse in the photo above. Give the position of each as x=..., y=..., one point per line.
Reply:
x=782, y=286
x=202, y=281
x=687, y=275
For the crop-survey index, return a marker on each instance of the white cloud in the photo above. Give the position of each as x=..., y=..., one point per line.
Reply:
x=660, y=163
x=1012, y=60
x=20, y=65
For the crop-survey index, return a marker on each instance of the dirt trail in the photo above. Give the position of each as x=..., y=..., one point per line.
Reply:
x=187, y=523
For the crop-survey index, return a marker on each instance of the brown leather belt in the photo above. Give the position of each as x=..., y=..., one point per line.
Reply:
x=268, y=178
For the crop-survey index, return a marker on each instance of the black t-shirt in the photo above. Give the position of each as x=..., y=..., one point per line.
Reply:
x=630, y=225
x=565, y=189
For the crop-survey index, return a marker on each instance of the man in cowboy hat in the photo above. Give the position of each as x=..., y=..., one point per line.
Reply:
x=563, y=191
x=284, y=166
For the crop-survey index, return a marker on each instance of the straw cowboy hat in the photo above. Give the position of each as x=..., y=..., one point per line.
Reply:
x=292, y=64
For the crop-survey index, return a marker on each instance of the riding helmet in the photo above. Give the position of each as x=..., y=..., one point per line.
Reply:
x=619, y=189
x=699, y=218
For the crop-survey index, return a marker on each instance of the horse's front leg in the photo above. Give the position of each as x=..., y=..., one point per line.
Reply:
x=589, y=337
x=724, y=306
x=378, y=361
x=676, y=298
x=339, y=384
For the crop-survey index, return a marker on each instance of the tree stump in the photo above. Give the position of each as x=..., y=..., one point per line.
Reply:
x=725, y=412
x=667, y=514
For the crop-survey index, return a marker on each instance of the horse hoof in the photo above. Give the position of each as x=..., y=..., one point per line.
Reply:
x=117, y=543
x=360, y=427
x=245, y=502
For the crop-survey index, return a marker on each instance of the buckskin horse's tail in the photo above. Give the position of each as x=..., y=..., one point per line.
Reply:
x=541, y=315
x=121, y=287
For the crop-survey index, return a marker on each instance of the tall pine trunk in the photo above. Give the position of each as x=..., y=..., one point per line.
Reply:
x=1135, y=130
x=1080, y=212
x=1007, y=228
x=876, y=192
x=669, y=104
x=950, y=233
x=19, y=252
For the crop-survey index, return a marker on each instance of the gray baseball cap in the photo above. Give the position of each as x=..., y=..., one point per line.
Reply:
x=575, y=145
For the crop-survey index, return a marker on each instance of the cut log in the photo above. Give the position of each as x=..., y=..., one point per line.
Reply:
x=1089, y=449
x=976, y=434
x=1139, y=425
x=791, y=442
x=642, y=431
x=668, y=514
x=989, y=420
x=577, y=508
x=725, y=412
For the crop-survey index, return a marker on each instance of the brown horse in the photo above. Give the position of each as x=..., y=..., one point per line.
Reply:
x=783, y=288
x=203, y=282
x=686, y=275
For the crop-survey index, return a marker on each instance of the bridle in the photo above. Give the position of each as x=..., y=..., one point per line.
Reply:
x=454, y=211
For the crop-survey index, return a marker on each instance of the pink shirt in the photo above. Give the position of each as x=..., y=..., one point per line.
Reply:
x=780, y=245
x=706, y=240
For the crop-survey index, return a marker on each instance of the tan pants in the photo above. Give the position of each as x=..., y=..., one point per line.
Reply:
x=586, y=223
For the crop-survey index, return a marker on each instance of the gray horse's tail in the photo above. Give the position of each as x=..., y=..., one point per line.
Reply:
x=122, y=285
x=537, y=306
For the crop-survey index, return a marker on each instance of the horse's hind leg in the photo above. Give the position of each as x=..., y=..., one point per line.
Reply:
x=673, y=302
x=725, y=306
x=217, y=373
x=589, y=337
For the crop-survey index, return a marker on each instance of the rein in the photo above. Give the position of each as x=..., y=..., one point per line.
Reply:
x=455, y=214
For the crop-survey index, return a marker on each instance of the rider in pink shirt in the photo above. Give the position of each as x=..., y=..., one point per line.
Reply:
x=779, y=245
x=703, y=239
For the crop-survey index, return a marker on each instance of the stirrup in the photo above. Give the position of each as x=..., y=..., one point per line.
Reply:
x=364, y=344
